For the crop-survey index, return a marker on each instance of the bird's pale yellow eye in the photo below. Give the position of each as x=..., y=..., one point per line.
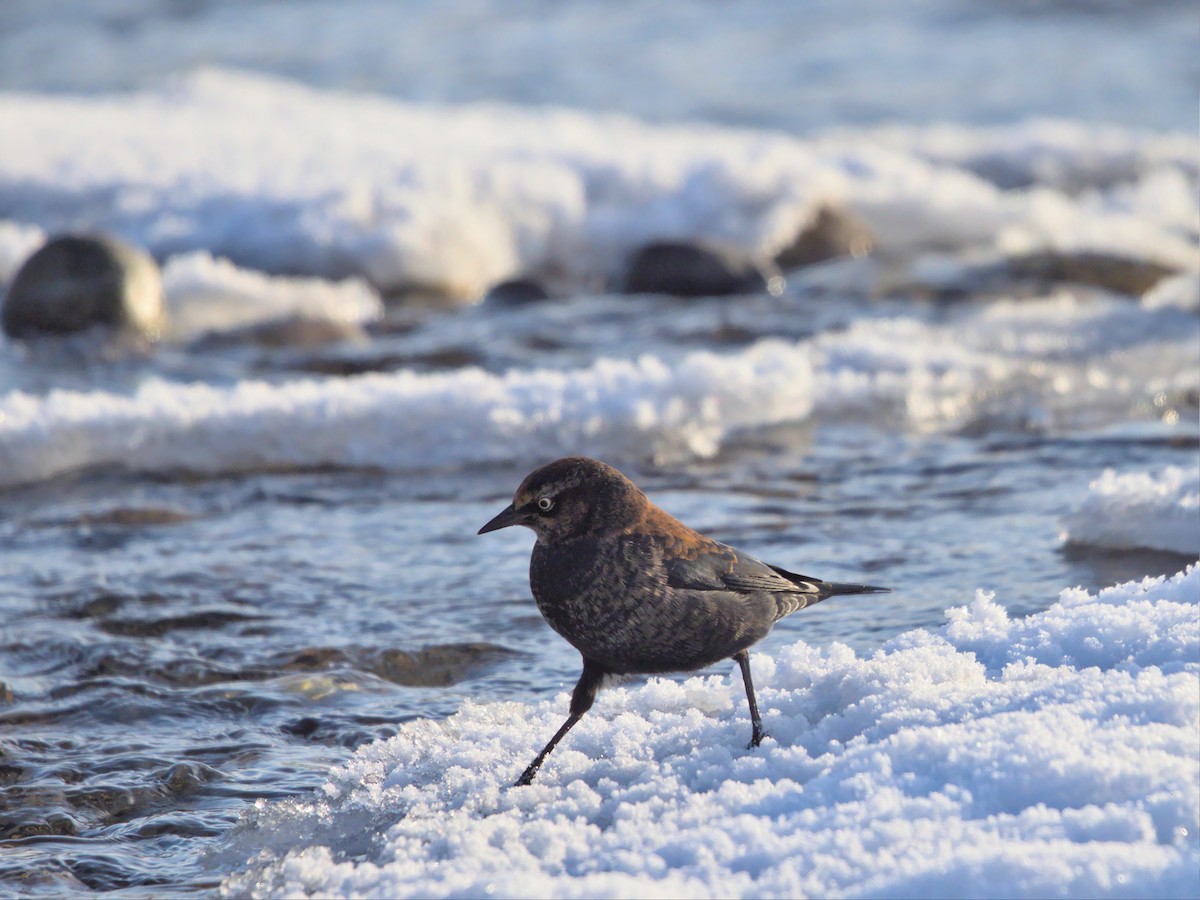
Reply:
x=545, y=504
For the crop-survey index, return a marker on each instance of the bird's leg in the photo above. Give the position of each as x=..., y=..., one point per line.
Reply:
x=743, y=661
x=582, y=699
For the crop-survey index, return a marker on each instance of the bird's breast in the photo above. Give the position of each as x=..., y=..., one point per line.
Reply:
x=597, y=595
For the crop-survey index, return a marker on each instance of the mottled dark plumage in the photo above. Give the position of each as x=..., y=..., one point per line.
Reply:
x=636, y=591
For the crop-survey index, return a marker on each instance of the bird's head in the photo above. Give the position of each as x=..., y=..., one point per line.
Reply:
x=572, y=498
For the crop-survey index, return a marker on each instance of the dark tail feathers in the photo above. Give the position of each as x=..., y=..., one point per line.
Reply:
x=830, y=588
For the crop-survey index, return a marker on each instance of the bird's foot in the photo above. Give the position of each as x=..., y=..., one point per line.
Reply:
x=757, y=739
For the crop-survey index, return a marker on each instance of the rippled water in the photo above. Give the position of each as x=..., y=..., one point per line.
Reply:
x=176, y=647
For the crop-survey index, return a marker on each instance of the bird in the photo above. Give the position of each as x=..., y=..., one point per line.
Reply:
x=637, y=592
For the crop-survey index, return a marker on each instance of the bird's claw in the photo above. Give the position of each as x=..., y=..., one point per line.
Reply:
x=526, y=777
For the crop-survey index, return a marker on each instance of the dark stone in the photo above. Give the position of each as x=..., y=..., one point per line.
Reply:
x=516, y=292
x=692, y=270
x=831, y=234
x=301, y=727
x=76, y=281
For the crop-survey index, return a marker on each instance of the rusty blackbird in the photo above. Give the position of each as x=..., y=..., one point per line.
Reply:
x=636, y=591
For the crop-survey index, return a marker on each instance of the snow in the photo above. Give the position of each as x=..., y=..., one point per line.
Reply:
x=1053, y=755
x=285, y=179
x=1182, y=291
x=1031, y=363
x=1157, y=510
x=207, y=294
x=17, y=242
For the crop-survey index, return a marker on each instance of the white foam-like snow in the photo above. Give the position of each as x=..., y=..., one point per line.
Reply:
x=1053, y=755
x=1159, y=510
x=406, y=420
x=207, y=294
x=17, y=242
x=1181, y=292
x=282, y=178
x=1029, y=363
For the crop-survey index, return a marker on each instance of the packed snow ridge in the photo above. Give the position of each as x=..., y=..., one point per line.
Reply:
x=1029, y=362
x=1053, y=755
x=1156, y=510
x=460, y=197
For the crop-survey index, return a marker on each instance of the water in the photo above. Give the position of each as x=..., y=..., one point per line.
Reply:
x=176, y=647
x=771, y=65
x=217, y=610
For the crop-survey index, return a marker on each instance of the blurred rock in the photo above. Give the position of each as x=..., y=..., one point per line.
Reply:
x=130, y=517
x=1114, y=273
x=436, y=360
x=293, y=331
x=693, y=270
x=437, y=666
x=1035, y=274
x=832, y=233
x=76, y=281
x=516, y=292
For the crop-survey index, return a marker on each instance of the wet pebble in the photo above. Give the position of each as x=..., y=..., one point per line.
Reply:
x=832, y=233
x=685, y=269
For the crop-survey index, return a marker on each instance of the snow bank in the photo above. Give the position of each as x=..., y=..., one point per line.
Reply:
x=1032, y=364
x=1181, y=291
x=406, y=420
x=286, y=179
x=1158, y=510
x=1048, y=756
x=206, y=294
x=17, y=242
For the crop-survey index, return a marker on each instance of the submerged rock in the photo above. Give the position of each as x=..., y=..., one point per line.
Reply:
x=1034, y=274
x=694, y=270
x=292, y=331
x=1119, y=274
x=76, y=281
x=831, y=234
x=129, y=517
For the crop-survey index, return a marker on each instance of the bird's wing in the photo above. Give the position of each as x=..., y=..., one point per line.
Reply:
x=713, y=566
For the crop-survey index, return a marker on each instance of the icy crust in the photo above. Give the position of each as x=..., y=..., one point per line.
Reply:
x=206, y=294
x=1048, y=756
x=1159, y=510
x=407, y=420
x=17, y=242
x=1031, y=364
x=457, y=198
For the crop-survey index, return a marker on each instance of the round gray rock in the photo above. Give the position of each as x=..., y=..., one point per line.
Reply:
x=76, y=281
x=695, y=270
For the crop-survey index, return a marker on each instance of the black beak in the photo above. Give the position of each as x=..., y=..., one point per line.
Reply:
x=508, y=516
